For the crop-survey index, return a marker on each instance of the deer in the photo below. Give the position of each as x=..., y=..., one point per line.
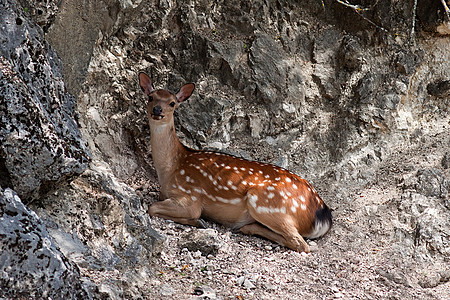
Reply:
x=251, y=197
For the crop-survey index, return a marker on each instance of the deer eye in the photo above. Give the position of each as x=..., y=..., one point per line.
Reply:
x=172, y=104
x=150, y=98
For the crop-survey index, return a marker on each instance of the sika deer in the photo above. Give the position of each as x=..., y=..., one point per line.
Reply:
x=256, y=198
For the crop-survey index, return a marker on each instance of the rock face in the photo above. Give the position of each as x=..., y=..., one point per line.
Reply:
x=31, y=265
x=42, y=154
x=357, y=102
x=40, y=143
x=100, y=224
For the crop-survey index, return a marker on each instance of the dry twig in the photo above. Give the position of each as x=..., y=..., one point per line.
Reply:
x=359, y=10
x=446, y=9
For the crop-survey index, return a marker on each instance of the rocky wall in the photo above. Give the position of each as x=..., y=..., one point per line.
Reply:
x=40, y=142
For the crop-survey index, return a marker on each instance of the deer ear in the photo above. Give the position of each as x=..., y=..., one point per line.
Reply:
x=146, y=83
x=185, y=92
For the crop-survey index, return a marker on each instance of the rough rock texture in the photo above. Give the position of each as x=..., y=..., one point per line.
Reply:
x=40, y=143
x=203, y=240
x=97, y=223
x=100, y=224
x=357, y=102
x=31, y=265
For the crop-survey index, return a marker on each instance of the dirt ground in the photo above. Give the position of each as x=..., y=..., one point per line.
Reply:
x=362, y=257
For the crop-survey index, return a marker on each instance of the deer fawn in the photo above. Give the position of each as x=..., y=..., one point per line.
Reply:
x=256, y=198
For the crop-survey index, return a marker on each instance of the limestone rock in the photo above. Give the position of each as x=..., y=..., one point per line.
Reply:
x=204, y=240
x=31, y=265
x=40, y=143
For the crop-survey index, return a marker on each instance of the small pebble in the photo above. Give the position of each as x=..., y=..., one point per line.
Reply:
x=334, y=289
x=270, y=287
x=240, y=280
x=248, y=284
x=166, y=290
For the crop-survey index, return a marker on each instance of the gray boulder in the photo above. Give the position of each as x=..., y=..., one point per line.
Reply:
x=40, y=143
x=31, y=266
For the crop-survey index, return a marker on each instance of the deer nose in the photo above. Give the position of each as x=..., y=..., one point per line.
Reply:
x=157, y=110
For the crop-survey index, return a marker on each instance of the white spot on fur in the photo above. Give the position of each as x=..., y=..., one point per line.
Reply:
x=197, y=190
x=303, y=206
x=184, y=190
x=293, y=209
x=302, y=199
x=288, y=179
x=294, y=186
x=194, y=198
x=270, y=188
x=294, y=203
x=227, y=167
x=242, y=169
x=244, y=182
x=182, y=172
x=270, y=210
x=252, y=200
x=270, y=195
x=267, y=176
x=231, y=201
x=235, y=201
x=233, y=187
x=277, y=179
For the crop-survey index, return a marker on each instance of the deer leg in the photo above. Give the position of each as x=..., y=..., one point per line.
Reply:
x=183, y=212
x=293, y=241
x=257, y=229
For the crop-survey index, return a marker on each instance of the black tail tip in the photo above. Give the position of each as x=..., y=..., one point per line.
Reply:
x=322, y=223
x=323, y=215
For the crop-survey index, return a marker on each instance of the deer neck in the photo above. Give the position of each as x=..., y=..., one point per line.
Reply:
x=166, y=151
